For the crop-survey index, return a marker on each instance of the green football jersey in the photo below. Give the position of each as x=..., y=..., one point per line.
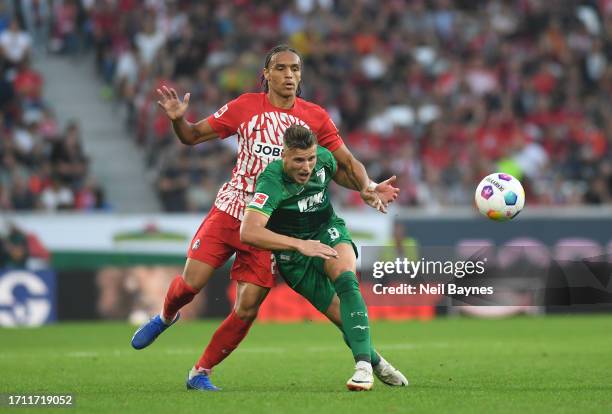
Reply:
x=296, y=210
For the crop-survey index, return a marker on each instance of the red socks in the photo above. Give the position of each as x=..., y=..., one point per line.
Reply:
x=225, y=339
x=179, y=294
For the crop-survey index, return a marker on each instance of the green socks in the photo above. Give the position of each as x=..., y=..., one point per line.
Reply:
x=374, y=357
x=354, y=315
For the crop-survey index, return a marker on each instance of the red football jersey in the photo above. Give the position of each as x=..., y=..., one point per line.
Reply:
x=259, y=127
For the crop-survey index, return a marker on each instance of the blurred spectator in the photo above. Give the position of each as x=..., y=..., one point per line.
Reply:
x=172, y=187
x=28, y=84
x=14, y=252
x=91, y=196
x=15, y=43
x=69, y=161
x=7, y=100
x=21, y=196
x=65, y=29
x=11, y=168
x=37, y=18
x=126, y=79
x=598, y=192
x=57, y=196
x=149, y=41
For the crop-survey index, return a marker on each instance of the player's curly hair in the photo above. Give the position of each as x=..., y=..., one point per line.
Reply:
x=272, y=52
x=297, y=136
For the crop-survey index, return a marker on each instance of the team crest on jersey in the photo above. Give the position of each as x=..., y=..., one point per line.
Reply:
x=221, y=111
x=195, y=245
x=259, y=200
x=321, y=175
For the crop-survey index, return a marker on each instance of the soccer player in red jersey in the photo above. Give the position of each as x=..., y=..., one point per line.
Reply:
x=259, y=121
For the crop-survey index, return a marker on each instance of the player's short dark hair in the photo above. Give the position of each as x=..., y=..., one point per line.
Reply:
x=272, y=52
x=297, y=136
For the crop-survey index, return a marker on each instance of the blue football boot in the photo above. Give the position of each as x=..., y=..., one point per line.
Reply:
x=147, y=333
x=200, y=381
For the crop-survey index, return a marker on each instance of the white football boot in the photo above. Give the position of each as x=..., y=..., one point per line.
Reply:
x=389, y=374
x=362, y=379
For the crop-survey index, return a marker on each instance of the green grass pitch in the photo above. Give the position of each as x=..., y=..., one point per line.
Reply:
x=530, y=364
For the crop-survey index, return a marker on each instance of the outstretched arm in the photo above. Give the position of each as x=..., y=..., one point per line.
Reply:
x=187, y=133
x=352, y=174
x=253, y=231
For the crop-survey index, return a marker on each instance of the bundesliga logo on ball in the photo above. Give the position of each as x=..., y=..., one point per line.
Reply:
x=500, y=197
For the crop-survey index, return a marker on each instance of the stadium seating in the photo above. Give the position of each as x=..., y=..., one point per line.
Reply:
x=42, y=165
x=440, y=93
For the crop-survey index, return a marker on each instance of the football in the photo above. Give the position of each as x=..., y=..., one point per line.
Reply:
x=500, y=196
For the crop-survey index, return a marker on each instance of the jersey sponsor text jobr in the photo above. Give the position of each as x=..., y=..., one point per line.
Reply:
x=259, y=127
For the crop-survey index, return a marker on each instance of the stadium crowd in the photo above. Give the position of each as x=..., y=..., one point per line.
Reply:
x=438, y=92
x=42, y=166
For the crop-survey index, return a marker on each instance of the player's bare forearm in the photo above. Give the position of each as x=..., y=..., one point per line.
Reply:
x=253, y=231
x=351, y=172
x=268, y=240
x=184, y=131
x=349, y=178
x=192, y=134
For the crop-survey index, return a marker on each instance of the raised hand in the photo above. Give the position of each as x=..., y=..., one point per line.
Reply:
x=314, y=248
x=386, y=191
x=171, y=104
x=383, y=194
x=372, y=199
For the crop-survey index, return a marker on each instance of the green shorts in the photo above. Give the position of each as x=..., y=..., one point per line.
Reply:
x=305, y=274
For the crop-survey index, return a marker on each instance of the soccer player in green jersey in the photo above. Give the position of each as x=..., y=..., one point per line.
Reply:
x=291, y=214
